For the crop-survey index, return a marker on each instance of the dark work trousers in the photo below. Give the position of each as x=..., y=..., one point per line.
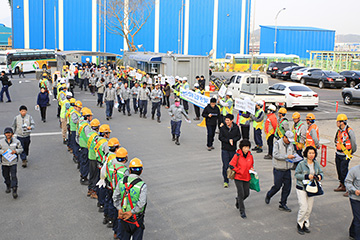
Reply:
x=342, y=167
x=101, y=193
x=167, y=101
x=43, y=113
x=245, y=131
x=58, y=112
x=9, y=174
x=354, y=230
x=10, y=72
x=135, y=105
x=185, y=104
x=175, y=127
x=119, y=103
x=94, y=174
x=81, y=84
x=109, y=209
x=126, y=105
x=100, y=99
x=270, y=143
x=156, y=106
x=210, y=134
x=143, y=107
x=226, y=157
x=257, y=137
x=125, y=229
x=73, y=144
x=25, y=143
x=84, y=162
x=197, y=111
x=86, y=83
x=68, y=137
x=5, y=89
x=281, y=179
x=109, y=108
x=243, y=191
x=92, y=89
x=55, y=92
x=21, y=73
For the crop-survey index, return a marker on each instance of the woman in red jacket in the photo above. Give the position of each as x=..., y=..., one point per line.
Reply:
x=241, y=163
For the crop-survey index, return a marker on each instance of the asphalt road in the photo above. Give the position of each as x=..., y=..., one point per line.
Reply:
x=186, y=199
x=327, y=101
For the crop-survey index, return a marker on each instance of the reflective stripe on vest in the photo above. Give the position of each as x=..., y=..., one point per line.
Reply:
x=258, y=125
x=72, y=124
x=343, y=143
x=244, y=120
x=228, y=110
x=280, y=131
x=309, y=139
x=63, y=108
x=99, y=153
x=82, y=137
x=130, y=194
x=296, y=132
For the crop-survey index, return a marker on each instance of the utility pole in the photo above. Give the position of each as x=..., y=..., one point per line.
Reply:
x=283, y=9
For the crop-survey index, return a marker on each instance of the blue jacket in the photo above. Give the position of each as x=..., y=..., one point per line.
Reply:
x=43, y=99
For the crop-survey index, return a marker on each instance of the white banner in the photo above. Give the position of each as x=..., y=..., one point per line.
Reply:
x=222, y=90
x=194, y=98
x=245, y=105
x=163, y=80
x=171, y=80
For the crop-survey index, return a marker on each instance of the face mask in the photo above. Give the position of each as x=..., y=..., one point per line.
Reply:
x=177, y=104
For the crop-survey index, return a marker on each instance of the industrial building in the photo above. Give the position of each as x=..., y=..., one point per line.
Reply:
x=5, y=37
x=295, y=40
x=189, y=27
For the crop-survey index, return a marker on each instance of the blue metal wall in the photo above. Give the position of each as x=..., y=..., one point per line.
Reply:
x=296, y=40
x=78, y=27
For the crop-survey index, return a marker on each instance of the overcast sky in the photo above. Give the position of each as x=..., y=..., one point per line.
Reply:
x=339, y=15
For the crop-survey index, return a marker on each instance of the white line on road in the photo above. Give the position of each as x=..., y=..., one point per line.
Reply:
x=41, y=134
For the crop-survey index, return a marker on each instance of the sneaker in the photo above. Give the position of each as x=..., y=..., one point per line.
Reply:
x=209, y=148
x=255, y=148
x=8, y=190
x=243, y=214
x=110, y=224
x=300, y=230
x=226, y=185
x=212, y=147
x=94, y=195
x=84, y=181
x=267, y=200
x=259, y=150
x=101, y=208
x=24, y=163
x=283, y=207
x=305, y=229
x=90, y=191
x=268, y=157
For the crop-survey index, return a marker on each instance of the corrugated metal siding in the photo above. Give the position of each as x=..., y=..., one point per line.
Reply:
x=50, y=24
x=18, y=24
x=146, y=34
x=201, y=26
x=36, y=24
x=299, y=42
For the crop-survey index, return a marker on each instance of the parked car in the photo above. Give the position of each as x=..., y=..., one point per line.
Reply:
x=352, y=78
x=297, y=95
x=324, y=79
x=276, y=66
x=286, y=72
x=298, y=74
x=351, y=95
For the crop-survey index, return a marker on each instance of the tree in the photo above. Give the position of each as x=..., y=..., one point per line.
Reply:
x=10, y=3
x=125, y=17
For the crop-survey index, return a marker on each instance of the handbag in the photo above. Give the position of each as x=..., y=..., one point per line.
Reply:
x=314, y=189
x=10, y=83
x=230, y=172
x=254, y=182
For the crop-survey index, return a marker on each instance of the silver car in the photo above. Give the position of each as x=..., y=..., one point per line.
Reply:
x=298, y=74
x=351, y=95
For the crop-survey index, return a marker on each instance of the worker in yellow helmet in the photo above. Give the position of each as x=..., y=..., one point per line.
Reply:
x=93, y=170
x=73, y=121
x=283, y=124
x=299, y=130
x=312, y=133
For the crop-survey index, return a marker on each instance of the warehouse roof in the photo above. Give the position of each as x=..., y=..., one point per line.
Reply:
x=296, y=28
x=5, y=33
x=86, y=53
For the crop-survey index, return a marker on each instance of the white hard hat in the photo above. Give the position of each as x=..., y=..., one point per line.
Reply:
x=272, y=108
x=184, y=78
x=69, y=94
x=160, y=75
x=62, y=81
x=196, y=85
x=180, y=78
x=260, y=103
x=88, y=59
x=229, y=93
x=177, y=77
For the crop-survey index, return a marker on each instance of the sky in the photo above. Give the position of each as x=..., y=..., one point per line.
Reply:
x=339, y=15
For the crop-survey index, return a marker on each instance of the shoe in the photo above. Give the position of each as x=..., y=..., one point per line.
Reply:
x=115, y=236
x=119, y=110
x=259, y=150
x=158, y=120
x=267, y=199
x=226, y=185
x=255, y=148
x=173, y=137
x=24, y=163
x=267, y=157
x=94, y=195
x=124, y=113
x=346, y=194
x=84, y=181
x=106, y=220
x=107, y=118
x=90, y=191
x=110, y=224
x=1, y=101
x=75, y=159
x=196, y=119
x=305, y=229
x=14, y=194
x=209, y=148
x=283, y=207
x=129, y=114
x=8, y=190
x=236, y=203
x=300, y=230
x=341, y=188
x=64, y=141
x=140, y=115
x=101, y=208
x=110, y=117
x=212, y=147
x=8, y=101
x=243, y=214
x=177, y=141
x=144, y=117
x=152, y=117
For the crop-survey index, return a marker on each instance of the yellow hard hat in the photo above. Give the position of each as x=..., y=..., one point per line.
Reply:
x=86, y=111
x=296, y=115
x=122, y=67
x=45, y=74
x=78, y=104
x=64, y=67
x=104, y=128
x=121, y=153
x=135, y=162
x=113, y=142
x=282, y=110
x=341, y=117
x=72, y=100
x=310, y=116
x=95, y=123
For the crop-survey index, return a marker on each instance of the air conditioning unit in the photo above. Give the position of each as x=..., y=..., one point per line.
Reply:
x=154, y=70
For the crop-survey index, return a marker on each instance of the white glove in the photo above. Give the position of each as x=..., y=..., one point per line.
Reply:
x=101, y=183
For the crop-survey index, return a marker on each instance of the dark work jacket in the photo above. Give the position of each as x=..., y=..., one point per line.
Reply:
x=5, y=80
x=43, y=99
x=213, y=120
x=226, y=134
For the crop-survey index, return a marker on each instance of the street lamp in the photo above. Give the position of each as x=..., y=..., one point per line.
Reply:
x=276, y=28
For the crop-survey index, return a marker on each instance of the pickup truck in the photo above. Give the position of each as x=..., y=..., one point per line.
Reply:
x=256, y=87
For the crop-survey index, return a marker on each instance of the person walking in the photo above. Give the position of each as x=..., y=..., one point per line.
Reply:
x=299, y=130
x=23, y=124
x=308, y=170
x=270, y=126
x=245, y=124
x=312, y=133
x=135, y=93
x=109, y=99
x=156, y=99
x=197, y=108
x=10, y=149
x=242, y=163
x=125, y=94
x=10, y=68
x=352, y=183
x=42, y=103
x=211, y=114
x=21, y=70
x=229, y=136
x=283, y=151
x=100, y=85
x=283, y=124
x=226, y=106
x=258, y=123
x=167, y=91
x=176, y=111
x=143, y=97
x=345, y=142
x=5, y=87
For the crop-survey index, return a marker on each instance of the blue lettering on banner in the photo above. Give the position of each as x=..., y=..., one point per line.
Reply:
x=194, y=98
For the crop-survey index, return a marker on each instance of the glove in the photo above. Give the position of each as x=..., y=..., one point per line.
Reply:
x=101, y=183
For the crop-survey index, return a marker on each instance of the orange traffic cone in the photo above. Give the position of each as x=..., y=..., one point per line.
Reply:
x=203, y=123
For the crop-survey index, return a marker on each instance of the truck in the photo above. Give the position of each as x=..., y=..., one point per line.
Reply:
x=256, y=87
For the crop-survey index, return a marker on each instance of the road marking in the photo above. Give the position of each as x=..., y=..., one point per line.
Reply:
x=40, y=134
x=88, y=100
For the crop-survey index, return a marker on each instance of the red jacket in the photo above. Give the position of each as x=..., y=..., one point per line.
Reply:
x=242, y=165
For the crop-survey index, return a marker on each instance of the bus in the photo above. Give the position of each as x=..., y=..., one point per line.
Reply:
x=242, y=62
x=30, y=59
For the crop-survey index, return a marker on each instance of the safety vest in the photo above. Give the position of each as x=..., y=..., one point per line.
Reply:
x=176, y=88
x=259, y=125
x=186, y=86
x=280, y=131
x=244, y=120
x=296, y=131
x=82, y=136
x=59, y=97
x=100, y=154
x=270, y=125
x=343, y=143
x=63, y=108
x=130, y=192
x=72, y=124
x=44, y=83
x=80, y=74
x=309, y=139
x=115, y=173
x=68, y=112
x=228, y=110
x=91, y=145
